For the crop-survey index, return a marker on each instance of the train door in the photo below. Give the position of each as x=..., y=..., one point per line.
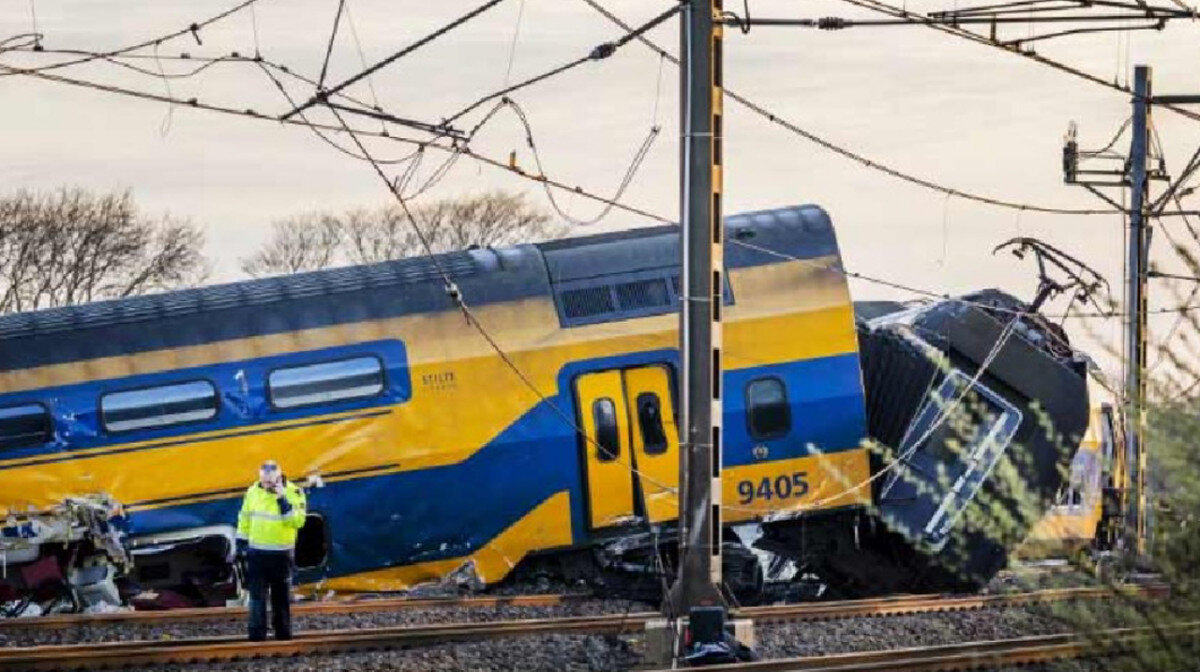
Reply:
x=631, y=444
x=655, y=439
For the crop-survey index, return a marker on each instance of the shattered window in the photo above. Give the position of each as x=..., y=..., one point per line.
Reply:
x=326, y=382
x=767, y=411
x=23, y=426
x=160, y=406
x=650, y=421
x=608, y=437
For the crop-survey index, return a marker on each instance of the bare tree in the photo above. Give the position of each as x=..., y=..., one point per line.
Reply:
x=74, y=246
x=312, y=241
x=304, y=243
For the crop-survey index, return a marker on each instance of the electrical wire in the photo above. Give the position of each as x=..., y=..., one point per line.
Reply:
x=902, y=12
x=541, y=178
x=192, y=29
x=512, y=47
x=847, y=153
x=426, y=39
x=466, y=151
x=627, y=179
x=598, y=53
x=337, y=20
x=362, y=55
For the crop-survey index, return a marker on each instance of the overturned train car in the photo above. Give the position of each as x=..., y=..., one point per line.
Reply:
x=426, y=456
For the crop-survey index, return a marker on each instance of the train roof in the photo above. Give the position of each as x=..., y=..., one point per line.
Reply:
x=403, y=286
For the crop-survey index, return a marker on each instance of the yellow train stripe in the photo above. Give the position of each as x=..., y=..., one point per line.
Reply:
x=435, y=338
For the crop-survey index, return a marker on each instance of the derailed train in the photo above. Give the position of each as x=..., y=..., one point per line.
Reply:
x=907, y=451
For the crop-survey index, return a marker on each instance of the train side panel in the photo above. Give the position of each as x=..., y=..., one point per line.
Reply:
x=454, y=461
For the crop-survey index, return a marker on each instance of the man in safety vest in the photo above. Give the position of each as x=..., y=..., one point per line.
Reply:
x=272, y=513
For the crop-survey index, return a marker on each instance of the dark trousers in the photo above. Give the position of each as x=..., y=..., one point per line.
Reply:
x=269, y=572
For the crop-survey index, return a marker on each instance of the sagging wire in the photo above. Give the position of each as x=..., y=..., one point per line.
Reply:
x=411, y=160
x=865, y=161
x=635, y=163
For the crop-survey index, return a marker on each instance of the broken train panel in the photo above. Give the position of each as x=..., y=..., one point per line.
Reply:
x=976, y=407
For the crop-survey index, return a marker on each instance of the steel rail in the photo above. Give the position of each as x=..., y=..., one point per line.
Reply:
x=199, y=614
x=802, y=611
x=971, y=655
x=121, y=654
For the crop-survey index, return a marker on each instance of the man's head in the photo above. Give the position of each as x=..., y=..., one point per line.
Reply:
x=269, y=474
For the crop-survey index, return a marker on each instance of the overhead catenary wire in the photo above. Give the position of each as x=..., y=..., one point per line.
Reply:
x=598, y=53
x=541, y=178
x=916, y=19
x=195, y=103
x=850, y=154
x=337, y=21
x=458, y=22
x=192, y=29
x=376, y=112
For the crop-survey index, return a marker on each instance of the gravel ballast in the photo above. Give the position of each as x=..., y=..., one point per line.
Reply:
x=109, y=632
x=576, y=653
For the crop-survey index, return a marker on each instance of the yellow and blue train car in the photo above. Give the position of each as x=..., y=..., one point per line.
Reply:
x=1082, y=517
x=422, y=450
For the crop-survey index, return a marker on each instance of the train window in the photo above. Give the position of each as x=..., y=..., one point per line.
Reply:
x=767, y=410
x=651, y=423
x=608, y=436
x=23, y=426
x=326, y=382
x=160, y=406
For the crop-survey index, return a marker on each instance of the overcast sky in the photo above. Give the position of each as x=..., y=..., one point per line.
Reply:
x=962, y=114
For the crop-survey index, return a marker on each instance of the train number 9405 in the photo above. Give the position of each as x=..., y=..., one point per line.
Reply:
x=783, y=486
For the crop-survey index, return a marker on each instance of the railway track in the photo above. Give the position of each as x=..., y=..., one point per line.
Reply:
x=847, y=608
x=201, y=614
x=122, y=654
x=970, y=655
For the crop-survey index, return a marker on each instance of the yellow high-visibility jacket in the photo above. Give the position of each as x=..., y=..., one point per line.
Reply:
x=264, y=525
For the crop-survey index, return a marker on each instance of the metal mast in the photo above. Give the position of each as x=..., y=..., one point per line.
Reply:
x=700, y=315
x=1135, y=307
